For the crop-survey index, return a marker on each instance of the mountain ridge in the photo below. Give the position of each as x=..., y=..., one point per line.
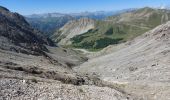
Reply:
x=71, y=29
x=50, y=22
x=121, y=28
x=16, y=31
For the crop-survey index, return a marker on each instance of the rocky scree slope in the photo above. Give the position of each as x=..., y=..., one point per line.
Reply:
x=17, y=35
x=144, y=60
x=71, y=29
x=26, y=72
x=146, y=53
x=25, y=50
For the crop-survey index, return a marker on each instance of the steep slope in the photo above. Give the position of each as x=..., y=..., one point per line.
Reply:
x=150, y=49
x=121, y=28
x=144, y=60
x=72, y=29
x=17, y=35
x=25, y=50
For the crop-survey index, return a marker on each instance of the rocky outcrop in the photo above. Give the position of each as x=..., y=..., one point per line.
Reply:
x=71, y=29
x=17, y=35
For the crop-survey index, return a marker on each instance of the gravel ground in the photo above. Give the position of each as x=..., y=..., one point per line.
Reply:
x=14, y=89
x=145, y=59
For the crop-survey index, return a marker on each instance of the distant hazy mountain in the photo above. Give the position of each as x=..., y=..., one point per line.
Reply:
x=46, y=15
x=120, y=28
x=95, y=15
x=50, y=22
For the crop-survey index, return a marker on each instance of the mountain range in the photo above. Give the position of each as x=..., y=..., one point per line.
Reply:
x=50, y=22
x=117, y=29
x=32, y=67
x=131, y=59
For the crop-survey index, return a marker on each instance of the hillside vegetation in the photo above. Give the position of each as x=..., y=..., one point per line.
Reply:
x=120, y=28
x=71, y=29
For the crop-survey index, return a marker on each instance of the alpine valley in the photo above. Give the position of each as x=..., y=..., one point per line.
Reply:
x=114, y=55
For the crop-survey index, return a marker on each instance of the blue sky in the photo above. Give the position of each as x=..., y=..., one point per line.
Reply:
x=27, y=7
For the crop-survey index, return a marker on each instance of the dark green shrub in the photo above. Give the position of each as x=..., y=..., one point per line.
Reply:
x=34, y=80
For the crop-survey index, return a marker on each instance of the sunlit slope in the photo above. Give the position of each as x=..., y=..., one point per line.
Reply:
x=121, y=28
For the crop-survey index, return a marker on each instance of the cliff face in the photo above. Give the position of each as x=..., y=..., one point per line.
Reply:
x=17, y=35
x=71, y=29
